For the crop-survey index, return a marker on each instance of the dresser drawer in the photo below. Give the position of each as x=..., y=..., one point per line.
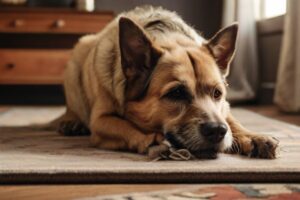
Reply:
x=32, y=66
x=53, y=22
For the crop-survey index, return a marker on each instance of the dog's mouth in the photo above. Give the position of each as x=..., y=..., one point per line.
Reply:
x=205, y=151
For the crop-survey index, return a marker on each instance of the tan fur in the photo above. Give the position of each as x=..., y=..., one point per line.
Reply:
x=95, y=88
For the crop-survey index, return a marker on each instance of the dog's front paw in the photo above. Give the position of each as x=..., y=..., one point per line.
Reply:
x=255, y=146
x=263, y=147
x=149, y=140
x=73, y=128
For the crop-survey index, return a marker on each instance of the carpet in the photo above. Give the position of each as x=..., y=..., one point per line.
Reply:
x=28, y=156
x=214, y=192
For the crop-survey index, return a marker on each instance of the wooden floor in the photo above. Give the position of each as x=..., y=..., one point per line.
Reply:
x=57, y=192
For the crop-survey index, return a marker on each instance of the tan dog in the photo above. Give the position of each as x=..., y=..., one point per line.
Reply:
x=148, y=75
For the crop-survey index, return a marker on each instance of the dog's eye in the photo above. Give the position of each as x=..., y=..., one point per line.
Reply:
x=217, y=94
x=178, y=93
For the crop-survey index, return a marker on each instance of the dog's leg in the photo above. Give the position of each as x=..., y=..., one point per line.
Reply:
x=114, y=133
x=251, y=144
x=71, y=125
x=109, y=131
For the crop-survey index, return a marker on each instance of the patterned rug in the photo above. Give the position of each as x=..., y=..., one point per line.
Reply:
x=28, y=156
x=215, y=192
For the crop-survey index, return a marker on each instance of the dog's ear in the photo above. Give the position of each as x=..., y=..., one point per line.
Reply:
x=138, y=57
x=222, y=47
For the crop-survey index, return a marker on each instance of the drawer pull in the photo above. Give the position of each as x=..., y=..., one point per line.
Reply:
x=60, y=23
x=10, y=65
x=18, y=23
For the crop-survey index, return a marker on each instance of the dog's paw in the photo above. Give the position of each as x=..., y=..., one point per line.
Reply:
x=73, y=128
x=255, y=146
x=148, y=140
x=263, y=147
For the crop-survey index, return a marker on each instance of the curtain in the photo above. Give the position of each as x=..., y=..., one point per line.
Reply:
x=243, y=77
x=287, y=91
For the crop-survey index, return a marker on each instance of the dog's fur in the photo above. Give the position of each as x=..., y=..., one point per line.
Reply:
x=149, y=75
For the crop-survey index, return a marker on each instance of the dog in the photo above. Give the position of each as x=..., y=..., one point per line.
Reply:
x=148, y=76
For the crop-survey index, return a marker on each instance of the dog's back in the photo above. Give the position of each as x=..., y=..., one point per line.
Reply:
x=161, y=24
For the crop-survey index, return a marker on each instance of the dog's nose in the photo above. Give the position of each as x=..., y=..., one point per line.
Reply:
x=213, y=131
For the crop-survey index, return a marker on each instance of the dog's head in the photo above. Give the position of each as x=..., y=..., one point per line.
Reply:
x=178, y=87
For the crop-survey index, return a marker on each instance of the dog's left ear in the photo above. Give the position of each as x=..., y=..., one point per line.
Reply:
x=222, y=47
x=138, y=57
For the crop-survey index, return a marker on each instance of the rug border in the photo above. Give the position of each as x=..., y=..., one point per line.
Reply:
x=212, y=177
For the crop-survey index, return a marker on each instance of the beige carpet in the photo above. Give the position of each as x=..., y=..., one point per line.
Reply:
x=28, y=156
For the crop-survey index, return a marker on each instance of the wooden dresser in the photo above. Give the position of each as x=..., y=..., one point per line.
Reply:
x=35, y=45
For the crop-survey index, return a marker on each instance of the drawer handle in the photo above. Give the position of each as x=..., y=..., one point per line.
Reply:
x=10, y=65
x=18, y=23
x=60, y=23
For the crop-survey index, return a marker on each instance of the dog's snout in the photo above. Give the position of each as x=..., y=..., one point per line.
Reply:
x=213, y=131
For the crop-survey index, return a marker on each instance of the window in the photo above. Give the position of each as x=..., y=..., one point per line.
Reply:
x=269, y=8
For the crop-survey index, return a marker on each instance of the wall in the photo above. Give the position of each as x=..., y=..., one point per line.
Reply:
x=204, y=15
